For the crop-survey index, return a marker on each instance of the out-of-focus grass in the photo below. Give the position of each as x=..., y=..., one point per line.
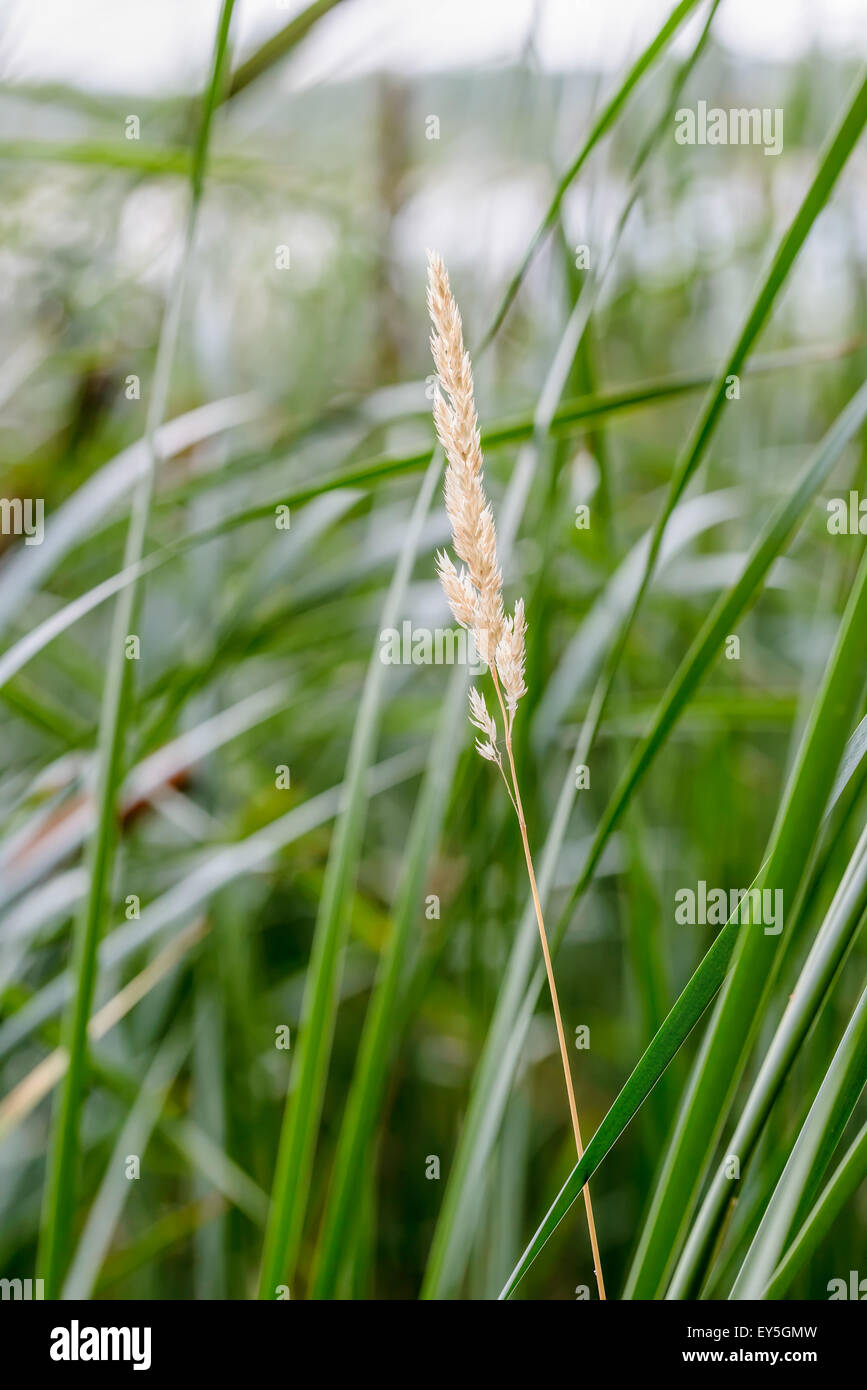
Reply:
x=374, y=907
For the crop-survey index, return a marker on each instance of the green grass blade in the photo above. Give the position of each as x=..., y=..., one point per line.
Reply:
x=833, y=159
x=836, y=1099
x=831, y=163
x=493, y=1082
x=276, y=48
x=853, y=758
x=46, y=713
x=133, y=1138
x=62, y=1163
x=140, y=158
x=379, y=1040
x=722, y=619
x=597, y=406
x=309, y=1072
x=804, y=1002
x=683, y=1016
x=603, y=123
x=726, y=1045
x=841, y=1186
x=226, y=865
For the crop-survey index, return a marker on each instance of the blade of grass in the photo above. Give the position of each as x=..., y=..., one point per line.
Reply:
x=500, y=1055
x=209, y=1067
x=680, y=1021
x=599, y=406
x=142, y=158
x=723, y=617
x=309, y=1072
x=840, y=1188
x=62, y=1161
x=226, y=865
x=823, y=962
x=276, y=48
x=603, y=123
x=115, y=1187
x=853, y=757
x=46, y=713
x=379, y=1038
x=831, y=163
x=682, y=1018
x=78, y=519
x=21, y=571
x=731, y=1031
x=836, y=1099
x=493, y=1080
x=37, y=1084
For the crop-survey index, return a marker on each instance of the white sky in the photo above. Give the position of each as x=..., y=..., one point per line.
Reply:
x=151, y=45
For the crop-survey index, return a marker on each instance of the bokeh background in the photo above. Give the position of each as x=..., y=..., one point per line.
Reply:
x=256, y=642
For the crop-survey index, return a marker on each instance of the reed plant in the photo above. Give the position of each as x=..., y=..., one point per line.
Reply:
x=318, y=1007
x=475, y=597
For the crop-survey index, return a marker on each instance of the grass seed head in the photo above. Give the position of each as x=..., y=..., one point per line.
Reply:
x=475, y=594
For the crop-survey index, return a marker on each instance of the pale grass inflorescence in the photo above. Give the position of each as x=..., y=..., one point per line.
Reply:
x=475, y=593
x=475, y=596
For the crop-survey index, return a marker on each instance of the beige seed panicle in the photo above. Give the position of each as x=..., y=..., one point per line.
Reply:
x=475, y=593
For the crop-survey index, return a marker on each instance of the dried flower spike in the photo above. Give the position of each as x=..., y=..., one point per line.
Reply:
x=475, y=596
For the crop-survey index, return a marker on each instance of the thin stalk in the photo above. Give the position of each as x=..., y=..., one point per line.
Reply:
x=62, y=1163
x=515, y=794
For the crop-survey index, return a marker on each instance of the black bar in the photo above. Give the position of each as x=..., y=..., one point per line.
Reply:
x=260, y=1339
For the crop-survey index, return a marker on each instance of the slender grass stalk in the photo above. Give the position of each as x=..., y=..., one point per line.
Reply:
x=379, y=1038
x=475, y=597
x=710, y=973
x=305, y=1098
x=62, y=1163
x=382, y=1024
x=113, y=1191
x=549, y=970
x=831, y=163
